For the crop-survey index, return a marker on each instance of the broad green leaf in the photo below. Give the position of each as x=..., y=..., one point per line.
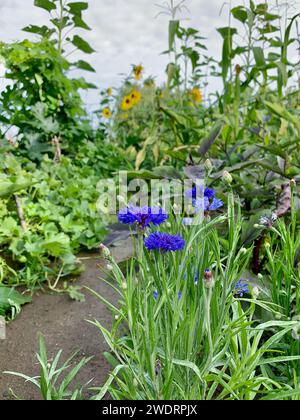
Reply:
x=84, y=65
x=227, y=35
x=80, y=23
x=287, y=38
x=237, y=167
x=10, y=297
x=179, y=119
x=176, y=154
x=7, y=188
x=261, y=9
x=143, y=174
x=173, y=29
x=82, y=45
x=76, y=8
x=211, y=138
x=45, y=4
x=282, y=112
x=168, y=172
x=240, y=13
x=44, y=31
x=259, y=56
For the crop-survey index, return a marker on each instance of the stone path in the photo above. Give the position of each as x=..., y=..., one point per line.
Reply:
x=63, y=323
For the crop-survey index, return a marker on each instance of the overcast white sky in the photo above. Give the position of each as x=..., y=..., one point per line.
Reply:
x=124, y=32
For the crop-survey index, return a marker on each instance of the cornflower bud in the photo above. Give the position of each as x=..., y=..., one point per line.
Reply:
x=104, y=251
x=208, y=165
x=227, y=177
x=208, y=279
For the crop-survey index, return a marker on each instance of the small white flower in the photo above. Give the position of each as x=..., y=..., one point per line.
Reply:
x=268, y=221
x=264, y=221
x=274, y=217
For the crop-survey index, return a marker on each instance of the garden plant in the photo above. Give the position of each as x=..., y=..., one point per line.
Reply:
x=208, y=304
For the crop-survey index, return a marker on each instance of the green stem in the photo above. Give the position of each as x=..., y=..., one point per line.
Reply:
x=208, y=319
x=60, y=30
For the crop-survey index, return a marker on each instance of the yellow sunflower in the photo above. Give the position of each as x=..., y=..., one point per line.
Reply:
x=136, y=96
x=106, y=112
x=109, y=91
x=127, y=103
x=138, y=71
x=196, y=94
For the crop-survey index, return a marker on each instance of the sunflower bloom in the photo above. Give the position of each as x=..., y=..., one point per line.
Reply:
x=138, y=71
x=196, y=94
x=109, y=91
x=136, y=96
x=106, y=113
x=127, y=103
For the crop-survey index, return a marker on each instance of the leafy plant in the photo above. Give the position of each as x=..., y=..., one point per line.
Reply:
x=56, y=381
x=43, y=101
x=190, y=331
x=11, y=302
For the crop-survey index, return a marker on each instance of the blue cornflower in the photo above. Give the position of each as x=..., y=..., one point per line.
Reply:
x=209, y=201
x=208, y=193
x=215, y=204
x=179, y=295
x=142, y=216
x=164, y=242
x=209, y=205
x=241, y=287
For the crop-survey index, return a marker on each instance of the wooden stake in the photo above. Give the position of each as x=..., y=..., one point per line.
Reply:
x=20, y=212
x=56, y=143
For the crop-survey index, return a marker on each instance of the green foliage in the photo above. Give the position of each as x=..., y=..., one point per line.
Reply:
x=62, y=217
x=11, y=301
x=56, y=381
x=42, y=100
x=210, y=343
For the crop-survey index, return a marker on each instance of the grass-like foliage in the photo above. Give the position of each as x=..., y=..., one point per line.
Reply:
x=183, y=330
